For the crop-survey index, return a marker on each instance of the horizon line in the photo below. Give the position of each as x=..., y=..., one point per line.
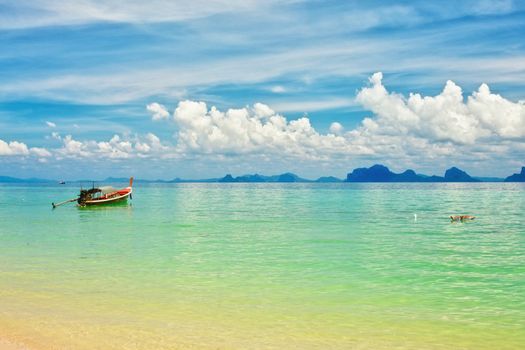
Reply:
x=217, y=179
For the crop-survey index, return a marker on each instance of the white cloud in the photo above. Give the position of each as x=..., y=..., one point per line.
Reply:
x=73, y=148
x=40, y=152
x=445, y=117
x=395, y=15
x=278, y=89
x=158, y=111
x=35, y=13
x=414, y=130
x=116, y=148
x=248, y=131
x=114, y=87
x=489, y=7
x=30, y=13
x=153, y=146
x=142, y=148
x=336, y=128
x=312, y=106
x=51, y=124
x=350, y=58
x=311, y=58
x=13, y=148
x=262, y=111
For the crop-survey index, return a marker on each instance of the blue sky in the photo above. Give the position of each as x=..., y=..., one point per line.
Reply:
x=76, y=80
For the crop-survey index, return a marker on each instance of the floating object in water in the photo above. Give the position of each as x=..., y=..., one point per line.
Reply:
x=415, y=217
x=102, y=195
x=462, y=218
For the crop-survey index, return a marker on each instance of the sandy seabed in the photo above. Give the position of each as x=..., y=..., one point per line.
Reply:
x=8, y=345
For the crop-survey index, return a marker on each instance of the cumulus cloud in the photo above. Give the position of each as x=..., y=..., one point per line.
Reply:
x=40, y=152
x=13, y=148
x=158, y=111
x=336, y=128
x=151, y=145
x=115, y=148
x=73, y=148
x=444, y=117
x=413, y=129
x=254, y=130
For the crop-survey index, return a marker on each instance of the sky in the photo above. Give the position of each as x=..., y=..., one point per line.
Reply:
x=198, y=89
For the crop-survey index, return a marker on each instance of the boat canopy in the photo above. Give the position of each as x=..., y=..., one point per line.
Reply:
x=107, y=189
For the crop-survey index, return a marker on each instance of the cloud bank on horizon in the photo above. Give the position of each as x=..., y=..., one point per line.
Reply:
x=412, y=129
x=229, y=89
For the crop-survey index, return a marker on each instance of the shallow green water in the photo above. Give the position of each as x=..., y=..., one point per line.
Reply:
x=266, y=266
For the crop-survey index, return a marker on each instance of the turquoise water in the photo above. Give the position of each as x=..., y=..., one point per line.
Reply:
x=266, y=266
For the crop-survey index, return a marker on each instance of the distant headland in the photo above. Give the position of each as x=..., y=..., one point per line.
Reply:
x=380, y=173
x=376, y=173
x=517, y=177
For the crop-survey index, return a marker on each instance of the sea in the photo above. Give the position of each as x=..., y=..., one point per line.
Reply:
x=265, y=266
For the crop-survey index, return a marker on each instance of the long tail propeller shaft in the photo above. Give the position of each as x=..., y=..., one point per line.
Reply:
x=64, y=202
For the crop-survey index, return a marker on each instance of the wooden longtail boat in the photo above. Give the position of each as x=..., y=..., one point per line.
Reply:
x=104, y=195
x=100, y=195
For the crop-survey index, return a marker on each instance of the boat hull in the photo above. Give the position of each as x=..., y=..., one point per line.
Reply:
x=107, y=201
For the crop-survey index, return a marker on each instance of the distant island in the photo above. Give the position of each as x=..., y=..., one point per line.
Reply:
x=517, y=177
x=9, y=179
x=380, y=173
x=286, y=177
x=376, y=173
